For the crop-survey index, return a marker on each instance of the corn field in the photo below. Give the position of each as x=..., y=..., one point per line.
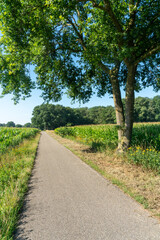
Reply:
x=11, y=137
x=98, y=136
x=145, y=146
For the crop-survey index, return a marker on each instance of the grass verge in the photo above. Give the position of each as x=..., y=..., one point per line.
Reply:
x=136, y=181
x=15, y=170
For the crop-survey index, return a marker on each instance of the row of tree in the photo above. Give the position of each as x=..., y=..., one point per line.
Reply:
x=49, y=116
x=147, y=110
x=12, y=124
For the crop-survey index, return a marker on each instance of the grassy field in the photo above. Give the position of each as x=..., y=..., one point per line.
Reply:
x=17, y=153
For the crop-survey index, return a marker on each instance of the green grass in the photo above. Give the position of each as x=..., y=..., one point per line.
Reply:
x=15, y=170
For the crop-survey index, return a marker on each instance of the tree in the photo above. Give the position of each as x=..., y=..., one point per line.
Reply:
x=10, y=124
x=102, y=115
x=109, y=115
x=156, y=108
x=115, y=44
x=27, y=125
x=48, y=116
x=82, y=116
x=141, y=109
x=144, y=110
x=18, y=125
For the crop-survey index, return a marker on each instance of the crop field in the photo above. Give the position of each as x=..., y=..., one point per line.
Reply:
x=11, y=137
x=98, y=136
x=144, y=150
x=16, y=162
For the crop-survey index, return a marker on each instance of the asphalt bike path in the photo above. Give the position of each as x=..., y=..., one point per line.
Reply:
x=67, y=200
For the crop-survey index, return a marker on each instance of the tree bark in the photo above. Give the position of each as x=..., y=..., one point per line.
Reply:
x=118, y=104
x=129, y=107
x=124, y=123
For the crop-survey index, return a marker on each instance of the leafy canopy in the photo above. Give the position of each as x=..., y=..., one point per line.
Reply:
x=75, y=44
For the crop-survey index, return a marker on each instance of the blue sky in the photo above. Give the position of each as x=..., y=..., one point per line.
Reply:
x=22, y=112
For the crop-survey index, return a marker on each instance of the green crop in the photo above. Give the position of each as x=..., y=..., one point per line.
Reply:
x=145, y=146
x=11, y=137
x=97, y=136
x=146, y=136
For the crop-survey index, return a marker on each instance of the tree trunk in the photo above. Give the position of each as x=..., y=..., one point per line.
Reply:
x=125, y=124
x=118, y=104
x=129, y=107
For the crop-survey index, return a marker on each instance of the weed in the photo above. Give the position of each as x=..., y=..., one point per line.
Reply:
x=149, y=158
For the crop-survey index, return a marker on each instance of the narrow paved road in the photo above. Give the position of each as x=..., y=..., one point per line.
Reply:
x=68, y=200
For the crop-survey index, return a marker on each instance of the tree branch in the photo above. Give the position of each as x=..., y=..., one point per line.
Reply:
x=146, y=54
x=132, y=12
x=150, y=24
x=74, y=21
x=80, y=37
x=109, y=10
x=137, y=3
x=104, y=67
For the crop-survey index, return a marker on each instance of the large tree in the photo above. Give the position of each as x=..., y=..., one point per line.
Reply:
x=80, y=46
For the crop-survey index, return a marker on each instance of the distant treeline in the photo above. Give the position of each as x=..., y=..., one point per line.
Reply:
x=49, y=116
x=12, y=124
x=147, y=110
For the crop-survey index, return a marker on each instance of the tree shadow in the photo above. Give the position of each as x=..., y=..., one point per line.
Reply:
x=100, y=147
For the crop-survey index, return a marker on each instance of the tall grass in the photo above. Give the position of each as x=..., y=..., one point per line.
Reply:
x=15, y=168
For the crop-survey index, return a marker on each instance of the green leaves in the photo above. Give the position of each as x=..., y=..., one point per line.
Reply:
x=67, y=40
